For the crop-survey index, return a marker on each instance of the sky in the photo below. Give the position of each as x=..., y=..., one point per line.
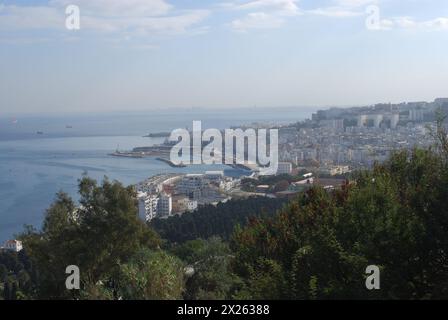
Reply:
x=145, y=54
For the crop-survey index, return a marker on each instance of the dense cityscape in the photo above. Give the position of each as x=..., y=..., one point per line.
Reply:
x=319, y=151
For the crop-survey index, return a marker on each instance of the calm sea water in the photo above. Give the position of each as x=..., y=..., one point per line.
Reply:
x=34, y=167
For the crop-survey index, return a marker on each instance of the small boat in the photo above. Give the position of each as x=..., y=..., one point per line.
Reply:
x=68, y=127
x=39, y=132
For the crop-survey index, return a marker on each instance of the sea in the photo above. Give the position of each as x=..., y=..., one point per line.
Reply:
x=42, y=154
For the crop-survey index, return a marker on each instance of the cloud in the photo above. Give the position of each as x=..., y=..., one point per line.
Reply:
x=274, y=13
x=357, y=8
x=105, y=17
x=285, y=7
x=257, y=20
x=119, y=8
x=437, y=24
x=337, y=12
x=343, y=8
x=266, y=14
x=167, y=25
x=354, y=3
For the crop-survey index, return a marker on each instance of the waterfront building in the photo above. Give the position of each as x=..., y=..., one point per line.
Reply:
x=284, y=168
x=164, y=206
x=192, y=185
x=13, y=245
x=334, y=170
x=147, y=206
x=214, y=176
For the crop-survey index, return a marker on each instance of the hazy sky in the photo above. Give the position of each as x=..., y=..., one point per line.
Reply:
x=143, y=54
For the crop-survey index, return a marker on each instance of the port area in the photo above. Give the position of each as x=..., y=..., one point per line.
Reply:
x=140, y=155
x=171, y=163
x=161, y=151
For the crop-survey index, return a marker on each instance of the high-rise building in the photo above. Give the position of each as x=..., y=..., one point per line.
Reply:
x=416, y=115
x=192, y=185
x=147, y=206
x=164, y=206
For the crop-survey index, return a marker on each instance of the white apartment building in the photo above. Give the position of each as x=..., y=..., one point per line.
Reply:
x=164, y=206
x=416, y=115
x=13, y=245
x=142, y=209
x=147, y=206
x=228, y=184
x=191, y=205
x=214, y=175
x=192, y=185
x=182, y=204
x=377, y=119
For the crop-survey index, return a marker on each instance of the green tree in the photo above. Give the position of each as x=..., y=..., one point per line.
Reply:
x=6, y=290
x=97, y=236
x=3, y=272
x=282, y=185
x=211, y=276
x=152, y=275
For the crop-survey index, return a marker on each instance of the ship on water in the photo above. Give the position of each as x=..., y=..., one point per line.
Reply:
x=158, y=135
x=126, y=154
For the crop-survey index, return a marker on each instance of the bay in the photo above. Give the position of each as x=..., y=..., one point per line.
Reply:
x=33, y=167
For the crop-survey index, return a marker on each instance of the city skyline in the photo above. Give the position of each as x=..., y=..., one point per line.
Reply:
x=145, y=54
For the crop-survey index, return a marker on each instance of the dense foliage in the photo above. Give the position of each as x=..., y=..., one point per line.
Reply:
x=152, y=275
x=17, y=275
x=218, y=220
x=395, y=217
x=211, y=275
